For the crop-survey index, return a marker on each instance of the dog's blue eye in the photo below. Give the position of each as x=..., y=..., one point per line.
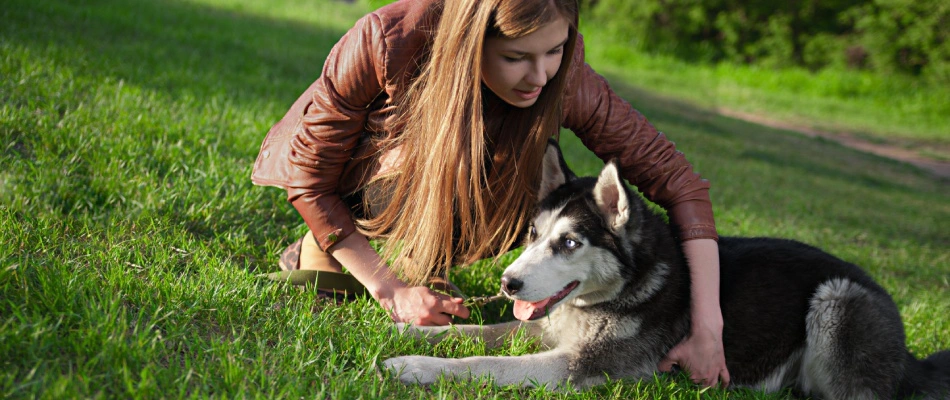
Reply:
x=533, y=231
x=571, y=244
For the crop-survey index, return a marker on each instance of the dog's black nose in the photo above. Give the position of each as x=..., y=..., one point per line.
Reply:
x=511, y=286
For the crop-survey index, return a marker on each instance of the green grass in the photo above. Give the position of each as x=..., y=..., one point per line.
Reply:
x=130, y=234
x=894, y=109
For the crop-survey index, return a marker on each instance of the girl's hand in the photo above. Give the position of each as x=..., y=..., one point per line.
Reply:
x=419, y=305
x=700, y=354
x=413, y=305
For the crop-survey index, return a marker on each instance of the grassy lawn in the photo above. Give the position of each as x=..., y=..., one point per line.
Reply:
x=130, y=234
x=892, y=109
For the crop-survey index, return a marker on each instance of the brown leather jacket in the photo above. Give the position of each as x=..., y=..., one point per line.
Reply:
x=320, y=150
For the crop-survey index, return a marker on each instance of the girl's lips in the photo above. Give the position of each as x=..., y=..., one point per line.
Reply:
x=528, y=95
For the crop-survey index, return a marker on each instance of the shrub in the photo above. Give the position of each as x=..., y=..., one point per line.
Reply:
x=905, y=36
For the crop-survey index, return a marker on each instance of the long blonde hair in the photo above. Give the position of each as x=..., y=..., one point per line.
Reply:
x=464, y=189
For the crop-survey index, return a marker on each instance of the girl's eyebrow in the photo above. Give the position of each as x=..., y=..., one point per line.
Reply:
x=521, y=53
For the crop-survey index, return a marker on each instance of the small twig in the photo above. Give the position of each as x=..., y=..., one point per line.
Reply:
x=179, y=251
x=136, y=266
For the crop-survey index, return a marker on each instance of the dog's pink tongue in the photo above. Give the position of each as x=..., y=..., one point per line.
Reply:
x=525, y=311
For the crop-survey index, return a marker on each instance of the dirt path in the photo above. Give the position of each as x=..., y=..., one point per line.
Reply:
x=939, y=168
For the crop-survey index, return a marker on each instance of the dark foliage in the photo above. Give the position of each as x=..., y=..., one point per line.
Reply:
x=907, y=36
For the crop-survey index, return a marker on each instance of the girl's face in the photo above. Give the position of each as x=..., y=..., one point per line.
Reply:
x=517, y=69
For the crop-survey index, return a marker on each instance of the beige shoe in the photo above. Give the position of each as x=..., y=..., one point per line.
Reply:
x=323, y=273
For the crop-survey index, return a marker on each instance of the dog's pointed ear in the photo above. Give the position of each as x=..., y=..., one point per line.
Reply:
x=554, y=171
x=611, y=197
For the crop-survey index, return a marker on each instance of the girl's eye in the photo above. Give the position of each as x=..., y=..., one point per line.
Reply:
x=512, y=59
x=558, y=50
x=571, y=244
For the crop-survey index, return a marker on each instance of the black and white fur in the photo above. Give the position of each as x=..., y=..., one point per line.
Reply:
x=794, y=316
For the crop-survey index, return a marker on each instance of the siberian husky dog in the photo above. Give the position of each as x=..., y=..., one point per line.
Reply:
x=603, y=282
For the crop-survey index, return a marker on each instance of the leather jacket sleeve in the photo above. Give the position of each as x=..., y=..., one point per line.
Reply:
x=330, y=128
x=612, y=128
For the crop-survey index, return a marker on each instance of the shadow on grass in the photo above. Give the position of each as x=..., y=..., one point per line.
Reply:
x=174, y=46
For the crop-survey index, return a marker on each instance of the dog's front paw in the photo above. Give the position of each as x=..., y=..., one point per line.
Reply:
x=414, y=369
x=432, y=334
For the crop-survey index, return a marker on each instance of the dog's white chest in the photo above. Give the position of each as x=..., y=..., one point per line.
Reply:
x=565, y=327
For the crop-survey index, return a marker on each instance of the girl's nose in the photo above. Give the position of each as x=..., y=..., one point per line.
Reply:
x=537, y=76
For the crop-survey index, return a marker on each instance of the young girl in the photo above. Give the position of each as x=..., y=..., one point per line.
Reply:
x=428, y=126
